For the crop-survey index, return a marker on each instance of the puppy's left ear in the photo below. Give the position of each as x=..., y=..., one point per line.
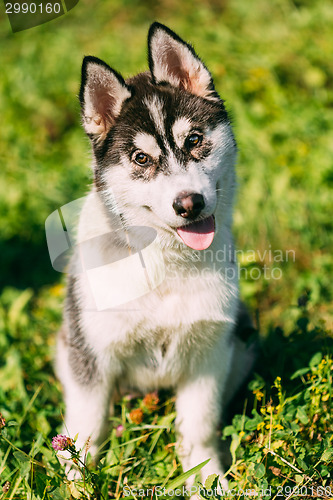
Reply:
x=173, y=61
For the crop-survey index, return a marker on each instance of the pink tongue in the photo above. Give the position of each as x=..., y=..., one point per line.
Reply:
x=198, y=235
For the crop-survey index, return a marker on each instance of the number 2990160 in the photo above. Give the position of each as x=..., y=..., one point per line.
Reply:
x=33, y=8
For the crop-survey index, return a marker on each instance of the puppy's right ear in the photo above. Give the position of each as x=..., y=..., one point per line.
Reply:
x=102, y=94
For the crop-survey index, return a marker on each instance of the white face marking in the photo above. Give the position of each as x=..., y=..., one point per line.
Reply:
x=161, y=190
x=148, y=144
x=155, y=108
x=180, y=130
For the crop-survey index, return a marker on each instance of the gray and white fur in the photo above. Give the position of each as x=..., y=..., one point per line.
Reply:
x=154, y=137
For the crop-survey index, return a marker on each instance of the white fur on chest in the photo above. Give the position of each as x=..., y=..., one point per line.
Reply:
x=188, y=313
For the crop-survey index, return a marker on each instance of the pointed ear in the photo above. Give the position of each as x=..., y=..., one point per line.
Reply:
x=102, y=93
x=174, y=61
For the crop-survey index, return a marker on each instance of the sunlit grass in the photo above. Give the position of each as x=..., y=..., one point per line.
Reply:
x=272, y=63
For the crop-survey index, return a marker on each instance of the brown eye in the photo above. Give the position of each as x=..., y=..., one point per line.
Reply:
x=141, y=159
x=193, y=140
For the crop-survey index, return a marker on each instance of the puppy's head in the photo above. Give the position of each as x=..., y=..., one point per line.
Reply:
x=163, y=145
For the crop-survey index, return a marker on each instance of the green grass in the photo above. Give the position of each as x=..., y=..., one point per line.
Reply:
x=281, y=437
x=272, y=64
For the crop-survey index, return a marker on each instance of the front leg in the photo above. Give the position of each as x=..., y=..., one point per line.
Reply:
x=198, y=405
x=86, y=414
x=87, y=398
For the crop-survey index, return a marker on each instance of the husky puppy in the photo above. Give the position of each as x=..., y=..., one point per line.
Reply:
x=164, y=156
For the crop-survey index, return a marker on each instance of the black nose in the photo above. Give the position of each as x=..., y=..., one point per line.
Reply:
x=188, y=205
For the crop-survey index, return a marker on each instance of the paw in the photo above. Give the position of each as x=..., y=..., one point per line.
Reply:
x=71, y=471
x=223, y=484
